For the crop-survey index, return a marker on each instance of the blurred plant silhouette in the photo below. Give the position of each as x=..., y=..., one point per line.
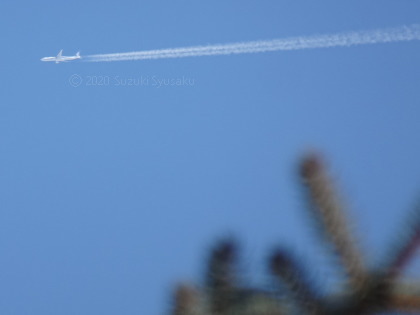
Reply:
x=365, y=291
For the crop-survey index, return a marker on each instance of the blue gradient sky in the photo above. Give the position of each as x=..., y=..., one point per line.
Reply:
x=111, y=194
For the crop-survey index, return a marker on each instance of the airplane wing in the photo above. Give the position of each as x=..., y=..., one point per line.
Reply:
x=60, y=53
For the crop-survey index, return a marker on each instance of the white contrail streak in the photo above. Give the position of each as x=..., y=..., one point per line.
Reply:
x=397, y=34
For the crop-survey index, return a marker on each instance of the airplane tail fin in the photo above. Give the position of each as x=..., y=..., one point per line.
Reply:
x=78, y=54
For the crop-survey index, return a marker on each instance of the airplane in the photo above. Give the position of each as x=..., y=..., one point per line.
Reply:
x=61, y=58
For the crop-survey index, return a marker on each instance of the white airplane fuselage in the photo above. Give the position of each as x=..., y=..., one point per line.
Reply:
x=61, y=58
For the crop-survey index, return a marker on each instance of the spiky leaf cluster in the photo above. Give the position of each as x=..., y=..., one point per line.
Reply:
x=365, y=291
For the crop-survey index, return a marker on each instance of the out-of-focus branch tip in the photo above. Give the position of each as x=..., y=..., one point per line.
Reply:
x=286, y=268
x=187, y=300
x=221, y=264
x=311, y=165
x=221, y=277
x=407, y=247
x=328, y=211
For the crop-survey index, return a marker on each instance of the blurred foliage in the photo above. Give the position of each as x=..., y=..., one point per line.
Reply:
x=365, y=291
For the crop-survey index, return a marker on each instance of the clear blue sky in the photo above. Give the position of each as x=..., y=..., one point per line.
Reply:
x=109, y=195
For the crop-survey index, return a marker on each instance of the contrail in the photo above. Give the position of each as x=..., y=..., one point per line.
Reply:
x=389, y=35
